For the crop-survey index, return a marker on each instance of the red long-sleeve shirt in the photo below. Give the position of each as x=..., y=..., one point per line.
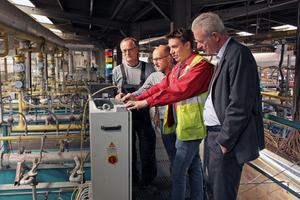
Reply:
x=171, y=90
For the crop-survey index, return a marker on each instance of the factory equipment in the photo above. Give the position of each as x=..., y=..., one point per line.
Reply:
x=110, y=144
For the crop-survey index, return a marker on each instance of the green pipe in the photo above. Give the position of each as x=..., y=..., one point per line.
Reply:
x=282, y=121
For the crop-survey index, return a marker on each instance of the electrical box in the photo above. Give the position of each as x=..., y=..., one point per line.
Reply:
x=110, y=139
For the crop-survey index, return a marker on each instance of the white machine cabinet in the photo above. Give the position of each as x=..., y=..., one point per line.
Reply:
x=110, y=139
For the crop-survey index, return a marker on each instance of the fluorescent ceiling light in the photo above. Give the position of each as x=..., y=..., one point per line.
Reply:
x=41, y=18
x=243, y=33
x=285, y=27
x=55, y=30
x=23, y=3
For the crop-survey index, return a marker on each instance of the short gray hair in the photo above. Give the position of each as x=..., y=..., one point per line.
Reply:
x=209, y=22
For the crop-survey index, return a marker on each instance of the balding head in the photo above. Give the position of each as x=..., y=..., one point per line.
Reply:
x=162, y=59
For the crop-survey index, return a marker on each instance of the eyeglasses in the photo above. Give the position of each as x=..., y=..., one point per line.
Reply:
x=158, y=59
x=128, y=50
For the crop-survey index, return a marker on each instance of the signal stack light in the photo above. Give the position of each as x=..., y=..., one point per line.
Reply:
x=108, y=65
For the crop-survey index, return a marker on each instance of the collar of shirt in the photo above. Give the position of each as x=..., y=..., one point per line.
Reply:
x=222, y=50
x=189, y=60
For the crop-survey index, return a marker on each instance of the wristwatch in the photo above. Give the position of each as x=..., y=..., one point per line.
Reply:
x=156, y=112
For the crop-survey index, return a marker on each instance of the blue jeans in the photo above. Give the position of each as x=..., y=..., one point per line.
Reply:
x=169, y=143
x=187, y=159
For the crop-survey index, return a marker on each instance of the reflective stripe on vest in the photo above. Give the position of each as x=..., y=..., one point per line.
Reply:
x=196, y=99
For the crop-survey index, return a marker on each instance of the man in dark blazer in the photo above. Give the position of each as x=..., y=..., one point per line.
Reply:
x=232, y=112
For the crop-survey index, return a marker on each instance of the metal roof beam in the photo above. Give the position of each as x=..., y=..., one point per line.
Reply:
x=154, y=24
x=74, y=17
x=141, y=13
x=227, y=14
x=91, y=11
x=280, y=20
x=61, y=6
x=213, y=2
x=117, y=10
x=160, y=11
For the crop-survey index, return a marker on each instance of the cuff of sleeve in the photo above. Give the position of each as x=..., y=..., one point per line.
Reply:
x=150, y=101
x=139, y=98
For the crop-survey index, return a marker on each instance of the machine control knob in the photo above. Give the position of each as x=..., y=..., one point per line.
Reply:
x=106, y=107
x=112, y=159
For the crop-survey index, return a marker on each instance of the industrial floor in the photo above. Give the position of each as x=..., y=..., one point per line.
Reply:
x=163, y=180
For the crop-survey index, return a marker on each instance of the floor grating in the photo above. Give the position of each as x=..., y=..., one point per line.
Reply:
x=162, y=180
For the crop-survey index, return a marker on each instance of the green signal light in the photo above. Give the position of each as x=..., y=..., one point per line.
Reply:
x=108, y=65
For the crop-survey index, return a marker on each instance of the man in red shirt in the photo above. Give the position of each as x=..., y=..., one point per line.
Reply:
x=183, y=90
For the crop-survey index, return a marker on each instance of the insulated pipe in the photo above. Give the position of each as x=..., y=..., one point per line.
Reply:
x=51, y=157
x=50, y=137
x=38, y=47
x=13, y=17
x=45, y=127
x=42, y=118
x=18, y=33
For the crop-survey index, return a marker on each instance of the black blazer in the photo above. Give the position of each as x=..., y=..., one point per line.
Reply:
x=237, y=100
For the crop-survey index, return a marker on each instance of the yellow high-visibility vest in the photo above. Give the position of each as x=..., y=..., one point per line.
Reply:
x=190, y=125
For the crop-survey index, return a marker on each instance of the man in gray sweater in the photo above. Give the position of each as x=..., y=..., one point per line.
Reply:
x=130, y=76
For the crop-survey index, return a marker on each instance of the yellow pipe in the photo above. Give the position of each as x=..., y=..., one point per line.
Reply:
x=52, y=83
x=53, y=50
x=19, y=58
x=6, y=50
x=38, y=47
x=38, y=92
x=62, y=54
x=20, y=109
x=46, y=127
x=275, y=96
x=43, y=106
x=277, y=123
x=51, y=137
x=12, y=31
x=40, y=57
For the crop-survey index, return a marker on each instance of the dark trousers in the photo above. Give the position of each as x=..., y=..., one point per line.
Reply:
x=142, y=127
x=223, y=169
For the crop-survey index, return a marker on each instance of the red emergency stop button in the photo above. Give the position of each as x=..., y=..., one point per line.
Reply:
x=112, y=159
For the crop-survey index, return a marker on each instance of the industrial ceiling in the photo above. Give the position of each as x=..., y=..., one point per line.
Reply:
x=104, y=23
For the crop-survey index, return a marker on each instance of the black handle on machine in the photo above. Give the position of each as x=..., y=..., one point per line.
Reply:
x=110, y=128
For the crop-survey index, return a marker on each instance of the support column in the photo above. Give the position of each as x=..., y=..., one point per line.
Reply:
x=46, y=72
x=5, y=70
x=119, y=52
x=28, y=67
x=71, y=69
x=181, y=14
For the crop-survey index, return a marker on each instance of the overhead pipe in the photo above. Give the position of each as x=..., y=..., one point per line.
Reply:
x=14, y=17
x=38, y=47
x=18, y=33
